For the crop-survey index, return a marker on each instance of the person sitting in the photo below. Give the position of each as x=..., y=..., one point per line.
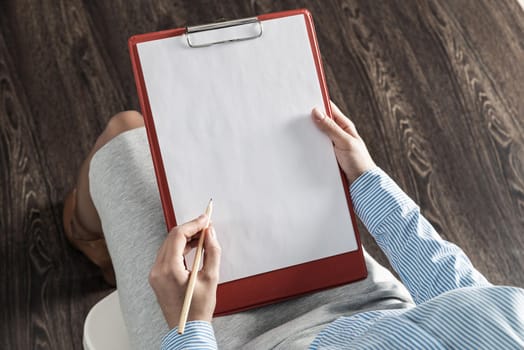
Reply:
x=443, y=301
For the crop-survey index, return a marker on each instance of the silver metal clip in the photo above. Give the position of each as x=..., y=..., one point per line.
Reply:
x=220, y=25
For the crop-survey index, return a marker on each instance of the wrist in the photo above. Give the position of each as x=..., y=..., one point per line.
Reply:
x=200, y=316
x=359, y=170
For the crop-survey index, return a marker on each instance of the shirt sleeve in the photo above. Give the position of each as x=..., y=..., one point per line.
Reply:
x=426, y=264
x=197, y=335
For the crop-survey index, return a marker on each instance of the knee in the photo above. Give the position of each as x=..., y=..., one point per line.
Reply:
x=121, y=122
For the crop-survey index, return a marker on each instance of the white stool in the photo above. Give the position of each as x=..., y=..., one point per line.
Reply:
x=104, y=327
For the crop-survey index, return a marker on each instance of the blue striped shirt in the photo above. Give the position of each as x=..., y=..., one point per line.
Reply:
x=456, y=306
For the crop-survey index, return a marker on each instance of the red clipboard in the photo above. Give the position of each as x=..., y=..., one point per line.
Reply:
x=277, y=285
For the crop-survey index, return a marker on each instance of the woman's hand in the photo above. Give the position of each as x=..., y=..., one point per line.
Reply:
x=350, y=149
x=169, y=276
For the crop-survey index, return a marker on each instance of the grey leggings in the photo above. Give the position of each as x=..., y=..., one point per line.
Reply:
x=125, y=193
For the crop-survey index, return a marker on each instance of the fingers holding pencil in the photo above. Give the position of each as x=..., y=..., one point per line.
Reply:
x=169, y=276
x=212, y=254
x=180, y=240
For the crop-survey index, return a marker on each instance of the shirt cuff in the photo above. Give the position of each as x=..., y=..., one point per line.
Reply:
x=375, y=196
x=197, y=335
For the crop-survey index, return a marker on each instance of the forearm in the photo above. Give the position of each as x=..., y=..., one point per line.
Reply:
x=197, y=335
x=427, y=264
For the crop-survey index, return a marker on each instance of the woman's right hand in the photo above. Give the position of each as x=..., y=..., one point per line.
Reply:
x=169, y=276
x=350, y=150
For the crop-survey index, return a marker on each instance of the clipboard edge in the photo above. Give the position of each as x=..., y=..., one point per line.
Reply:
x=165, y=196
x=247, y=291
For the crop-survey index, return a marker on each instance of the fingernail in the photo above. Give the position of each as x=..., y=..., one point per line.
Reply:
x=212, y=232
x=318, y=114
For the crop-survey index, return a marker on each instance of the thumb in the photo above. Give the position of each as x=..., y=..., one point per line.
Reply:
x=329, y=127
x=212, y=253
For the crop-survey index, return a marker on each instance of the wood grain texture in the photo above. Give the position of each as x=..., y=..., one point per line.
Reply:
x=40, y=284
x=434, y=87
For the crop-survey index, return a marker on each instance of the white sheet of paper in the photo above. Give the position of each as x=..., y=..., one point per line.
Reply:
x=234, y=123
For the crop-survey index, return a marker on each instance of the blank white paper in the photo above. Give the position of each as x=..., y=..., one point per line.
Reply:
x=234, y=123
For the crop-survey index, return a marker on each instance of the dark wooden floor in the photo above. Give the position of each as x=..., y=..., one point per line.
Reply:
x=435, y=87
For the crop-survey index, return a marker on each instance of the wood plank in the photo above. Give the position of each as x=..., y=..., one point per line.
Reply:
x=32, y=249
x=491, y=134
x=72, y=92
x=49, y=287
x=14, y=178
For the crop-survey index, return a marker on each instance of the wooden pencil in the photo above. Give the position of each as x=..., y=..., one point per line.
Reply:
x=193, y=275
